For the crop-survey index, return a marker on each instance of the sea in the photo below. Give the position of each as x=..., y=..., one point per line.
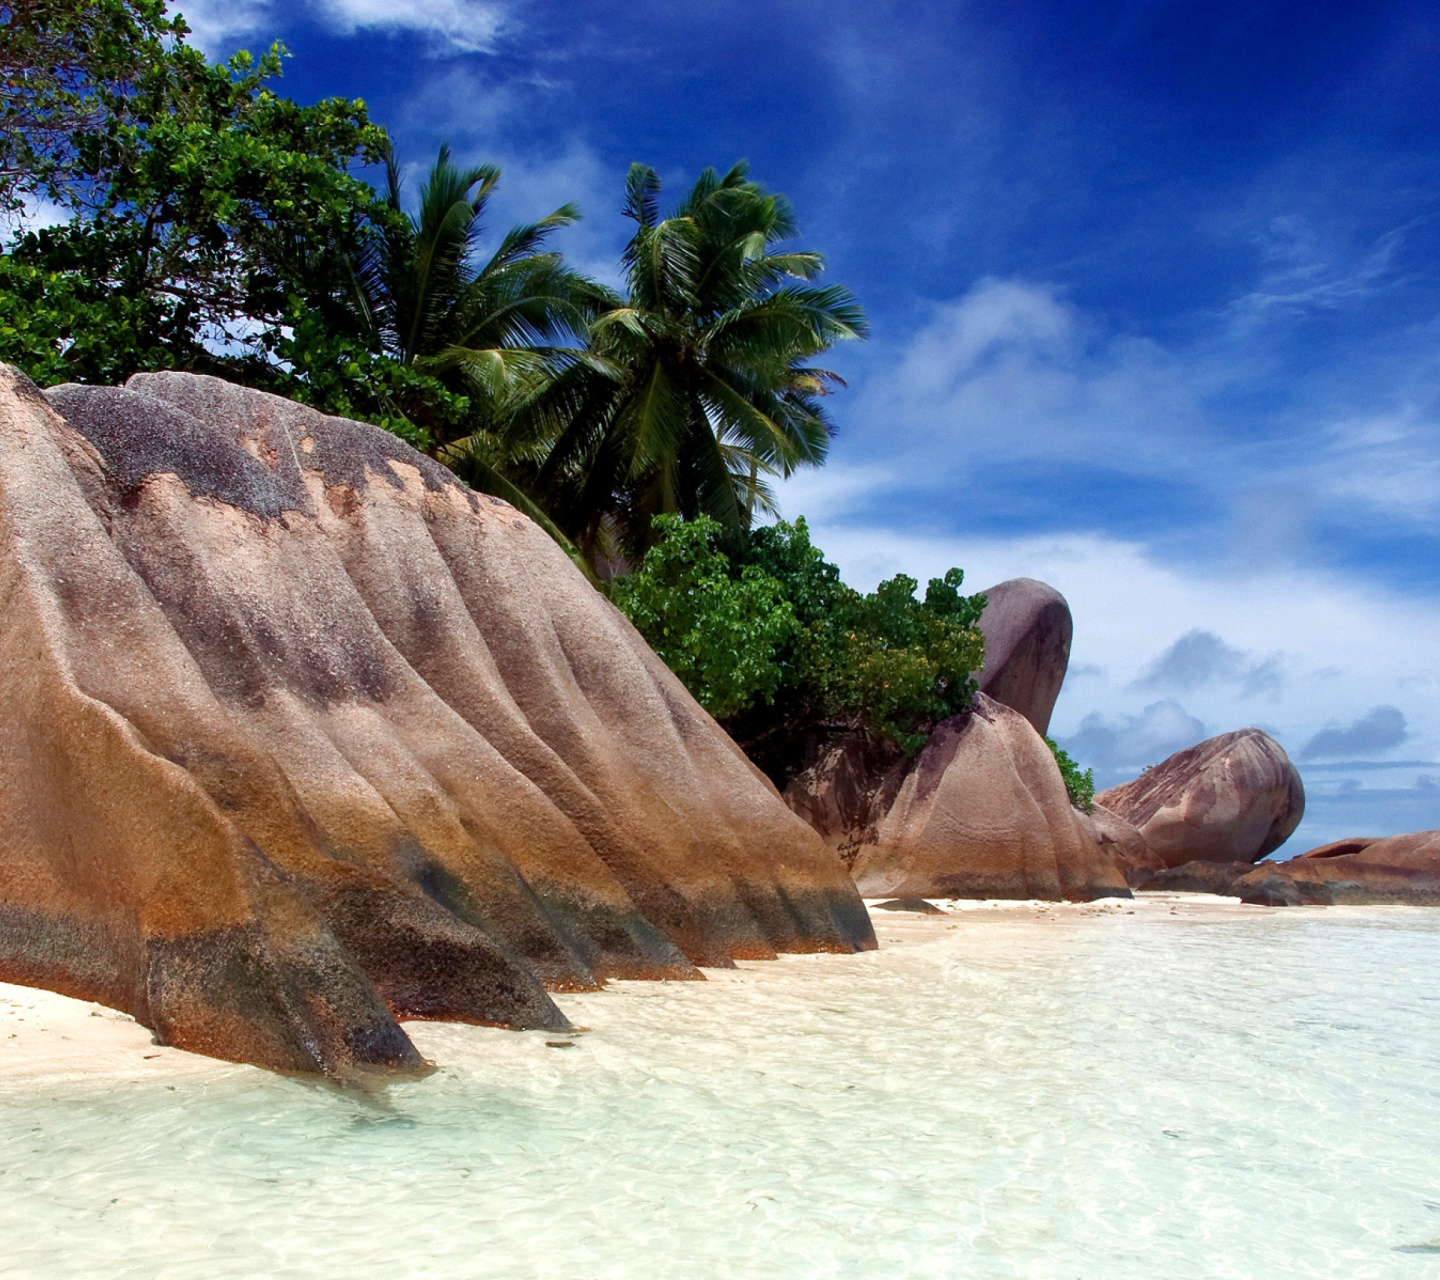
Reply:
x=1160, y=1089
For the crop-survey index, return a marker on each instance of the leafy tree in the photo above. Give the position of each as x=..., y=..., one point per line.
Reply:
x=700, y=385
x=191, y=184
x=719, y=630
x=1081, y=786
x=886, y=663
x=67, y=69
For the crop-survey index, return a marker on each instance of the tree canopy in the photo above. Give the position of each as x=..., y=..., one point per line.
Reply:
x=700, y=386
x=776, y=646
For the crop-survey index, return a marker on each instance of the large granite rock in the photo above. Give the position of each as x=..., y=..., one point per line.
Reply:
x=981, y=812
x=1122, y=842
x=1358, y=871
x=302, y=737
x=1234, y=798
x=1027, y=629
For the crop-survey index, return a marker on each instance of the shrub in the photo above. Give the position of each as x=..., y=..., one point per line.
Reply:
x=774, y=644
x=1081, y=786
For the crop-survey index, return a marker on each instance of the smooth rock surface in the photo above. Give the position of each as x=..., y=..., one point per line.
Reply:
x=1233, y=798
x=302, y=735
x=1360, y=871
x=982, y=812
x=1028, y=629
x=1121, y=841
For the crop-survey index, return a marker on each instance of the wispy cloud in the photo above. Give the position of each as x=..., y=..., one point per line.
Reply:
x=453, y=26
x=1303, y=272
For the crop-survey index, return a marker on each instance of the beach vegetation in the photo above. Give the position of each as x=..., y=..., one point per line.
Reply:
x=817, y=658
x=1080, y=784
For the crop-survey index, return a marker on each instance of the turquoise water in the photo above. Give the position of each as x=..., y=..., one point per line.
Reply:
x=1067, y=1094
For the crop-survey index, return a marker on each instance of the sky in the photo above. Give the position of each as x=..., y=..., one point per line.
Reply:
x=1155, y=298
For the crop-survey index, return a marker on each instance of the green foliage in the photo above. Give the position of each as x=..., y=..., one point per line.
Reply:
x=910, y=663
x=720, y=630
x=472, y=334
x=191, y=186
x=67, y=69
x=1081, y=786
x=699, y=386
x=887, y=663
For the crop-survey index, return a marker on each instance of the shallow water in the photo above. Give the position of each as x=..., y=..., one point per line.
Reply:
x=1067, y=1093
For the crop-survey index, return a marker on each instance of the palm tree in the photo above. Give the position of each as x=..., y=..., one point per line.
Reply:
x=487, y=328
x=698, y=388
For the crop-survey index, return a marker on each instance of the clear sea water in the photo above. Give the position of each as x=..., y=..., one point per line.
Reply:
x=1063, y=1094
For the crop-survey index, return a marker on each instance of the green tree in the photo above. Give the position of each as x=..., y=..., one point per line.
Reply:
x=700, y=386
x=190, y=185
x=888, y=663
x=483, y=331
x=720, y=630
x=67, y=70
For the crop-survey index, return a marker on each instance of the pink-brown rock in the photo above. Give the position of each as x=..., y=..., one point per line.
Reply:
x=982, y=812
x=303, y=737
x=1234, y=798
x=1358, y=871
x=1027, y=629
x=1122, y=842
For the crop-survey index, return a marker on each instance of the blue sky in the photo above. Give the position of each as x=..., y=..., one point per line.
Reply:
x=1154, y=293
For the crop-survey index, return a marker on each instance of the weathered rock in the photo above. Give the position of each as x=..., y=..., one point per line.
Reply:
x=303, y=736
x=1358, y=871
x=1199, y=877
x=1027, y=628
x=1234, y=798
x=982, y=812
x=1122, y=842
x=915, y=906
x=846, y=793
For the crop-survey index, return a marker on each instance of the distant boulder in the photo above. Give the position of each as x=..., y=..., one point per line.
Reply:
x=1027, y=629
x=1199, y=877
x=1358, y=871
x=1234, y=798
x=982, y=812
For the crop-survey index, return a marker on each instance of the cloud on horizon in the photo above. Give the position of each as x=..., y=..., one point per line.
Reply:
x=1379, y=729
x=1132, y=743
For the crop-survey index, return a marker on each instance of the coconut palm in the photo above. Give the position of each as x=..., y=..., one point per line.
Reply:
x=698, y=388
x=487, y=328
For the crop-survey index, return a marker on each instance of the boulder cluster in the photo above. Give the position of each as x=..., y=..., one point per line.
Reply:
x=304, y=738
x=982, y=811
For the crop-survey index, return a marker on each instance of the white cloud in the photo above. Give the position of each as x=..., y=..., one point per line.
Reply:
x=1012, y=374
x=35, y=214
x=1012, y=371
x=455, y=26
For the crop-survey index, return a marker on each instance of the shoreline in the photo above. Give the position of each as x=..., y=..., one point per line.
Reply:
x=50, y=1038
